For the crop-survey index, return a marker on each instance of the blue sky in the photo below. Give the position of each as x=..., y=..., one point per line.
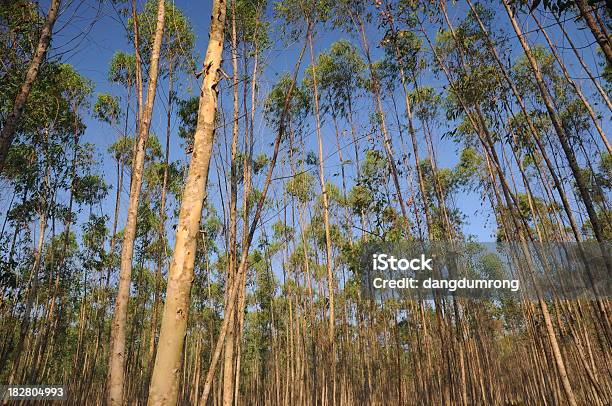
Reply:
x=90, y=48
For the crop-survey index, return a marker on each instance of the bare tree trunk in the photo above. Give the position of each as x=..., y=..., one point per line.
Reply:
x=601, y=38
x=30, y=292
x=10, y=125
x=387, y=143
x=234, y=288
x=247, y=163
x=228, y=362
x=328, y=245
x=163, y=252
x=118, y=327
x=165, y=379
x=138, y=65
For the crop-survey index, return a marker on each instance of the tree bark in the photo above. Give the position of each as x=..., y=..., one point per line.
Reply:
x=163, y=252
x=118, y=326
x=228, y=362
x=165, y=379
x=234, y=288
x=601, y=38
x=328, y=245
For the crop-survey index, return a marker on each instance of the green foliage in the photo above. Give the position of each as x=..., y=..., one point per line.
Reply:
x=468, y=167
x=122, y=149
x=299, y=103
x=402, y=50
x=359, y=199
x=523, y=74
x=95, y=233
x=21, y=24
x=53, y=175
x=298, y=14
x=52, y=104
x=282, y=232
x=251, y=28
x=178, y=38
x=89, y=189
x=74, y=88
x=107, y=109
x=599, y=179
x=301, y=186
x=339, y=76
x=122, y=69
x=188, y=116
x=425, y=102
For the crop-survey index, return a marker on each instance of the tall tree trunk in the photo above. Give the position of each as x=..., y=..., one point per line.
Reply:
x=234, y=288
x=247, y=170
x=118, y=326
x=387, y=143
x=139, y=86
x=586, y=12
x=228, y=362
x=325, y=198
x=163, y=252
x=165, y=379
x=10, y=125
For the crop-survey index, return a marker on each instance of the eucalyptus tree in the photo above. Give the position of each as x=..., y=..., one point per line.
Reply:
x=53, y=122
x=340, y=72
x=353, y=16
x=313, y=14
x=247, y=316
x=511, y=201
x=10, y=124
x=597, y=224
x=176, y=58
x=81, y=189
x=122, y=71
x=403, y=48
x=107, y=110
x=164, y=381
x=560, y=131
x=259, y=202
x=249, y=36
x=534, y=133
x=118, y=327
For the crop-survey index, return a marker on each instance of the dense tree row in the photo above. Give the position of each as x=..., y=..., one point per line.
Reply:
x=215, y=260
